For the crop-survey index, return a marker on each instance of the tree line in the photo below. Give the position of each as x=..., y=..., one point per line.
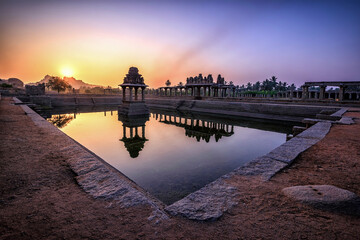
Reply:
x=270, y=84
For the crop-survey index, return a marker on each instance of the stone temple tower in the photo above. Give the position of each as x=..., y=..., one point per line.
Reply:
x=131, y=104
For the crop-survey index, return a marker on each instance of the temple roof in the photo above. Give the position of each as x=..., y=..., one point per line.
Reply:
x=133, y=78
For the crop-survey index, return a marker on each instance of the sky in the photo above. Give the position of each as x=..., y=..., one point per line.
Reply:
x=244, y=41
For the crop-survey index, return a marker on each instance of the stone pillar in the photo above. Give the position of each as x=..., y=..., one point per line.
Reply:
x=136, y=93
x=131, y=133
x=341, y=93
x=142, y=94
x=322, y=92
x=124, y=93
x=131, y=94
x=305, y=93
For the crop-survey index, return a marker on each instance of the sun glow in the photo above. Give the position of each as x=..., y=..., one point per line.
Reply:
x=67, y=72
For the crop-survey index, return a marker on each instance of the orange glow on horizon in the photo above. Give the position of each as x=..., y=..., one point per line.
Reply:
x=67, y=72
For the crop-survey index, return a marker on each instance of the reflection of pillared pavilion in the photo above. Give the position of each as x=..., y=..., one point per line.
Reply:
x=200, y=129
x=134, y=141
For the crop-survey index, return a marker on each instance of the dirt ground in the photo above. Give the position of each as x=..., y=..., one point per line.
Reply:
x=39, y=198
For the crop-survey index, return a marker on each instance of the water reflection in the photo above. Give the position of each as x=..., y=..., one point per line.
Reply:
x=200, y=129
x=61, y=120
x=136, y=128
x=176, y=153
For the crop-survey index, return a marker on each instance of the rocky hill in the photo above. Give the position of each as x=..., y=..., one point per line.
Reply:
x=15, y=82
x=71, y=80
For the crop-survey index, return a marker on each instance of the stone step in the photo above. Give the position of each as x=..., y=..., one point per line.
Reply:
x=328, y=117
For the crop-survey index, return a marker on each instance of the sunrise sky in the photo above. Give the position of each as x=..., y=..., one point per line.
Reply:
x=97, y=41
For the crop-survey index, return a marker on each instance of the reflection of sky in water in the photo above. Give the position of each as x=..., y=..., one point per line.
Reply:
x=171, y=165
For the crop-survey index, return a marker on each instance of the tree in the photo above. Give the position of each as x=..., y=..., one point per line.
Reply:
x=248, y=86
x=273, y=80
x=292, y=87
x=168, y=83
x=58, y=84
x=181, y=84
x=256, y=86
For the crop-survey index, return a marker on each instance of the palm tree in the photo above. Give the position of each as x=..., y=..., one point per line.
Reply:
x=248, y=86
x=273, y=82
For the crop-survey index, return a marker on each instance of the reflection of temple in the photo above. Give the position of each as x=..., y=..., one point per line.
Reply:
x=198, y=128
x=133, y=133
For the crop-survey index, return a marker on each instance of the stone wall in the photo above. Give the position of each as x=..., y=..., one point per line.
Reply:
x=271, y=111
x=35, y=90
x=62, y=101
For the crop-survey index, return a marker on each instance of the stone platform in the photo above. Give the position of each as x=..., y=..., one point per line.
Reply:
x=133, y=108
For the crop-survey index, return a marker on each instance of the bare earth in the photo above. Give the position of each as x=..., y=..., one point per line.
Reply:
x=39, y=198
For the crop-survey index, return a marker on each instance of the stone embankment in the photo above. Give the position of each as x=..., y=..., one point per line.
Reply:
x=209, y=203
x=260, y=110
x=268, y=111
x=95, y=176
x=54, y=188
x=72, y=100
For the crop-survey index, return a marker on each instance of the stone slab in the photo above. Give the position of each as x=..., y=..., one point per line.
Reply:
x=288, y=151
x=207, y=204
x=264, y=167
x=328, y=117
x=346, y=121
x=320, y=194
x=317, y=131
x=340, y=112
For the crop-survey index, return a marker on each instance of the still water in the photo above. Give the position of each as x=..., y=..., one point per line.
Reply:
x=170, y=154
